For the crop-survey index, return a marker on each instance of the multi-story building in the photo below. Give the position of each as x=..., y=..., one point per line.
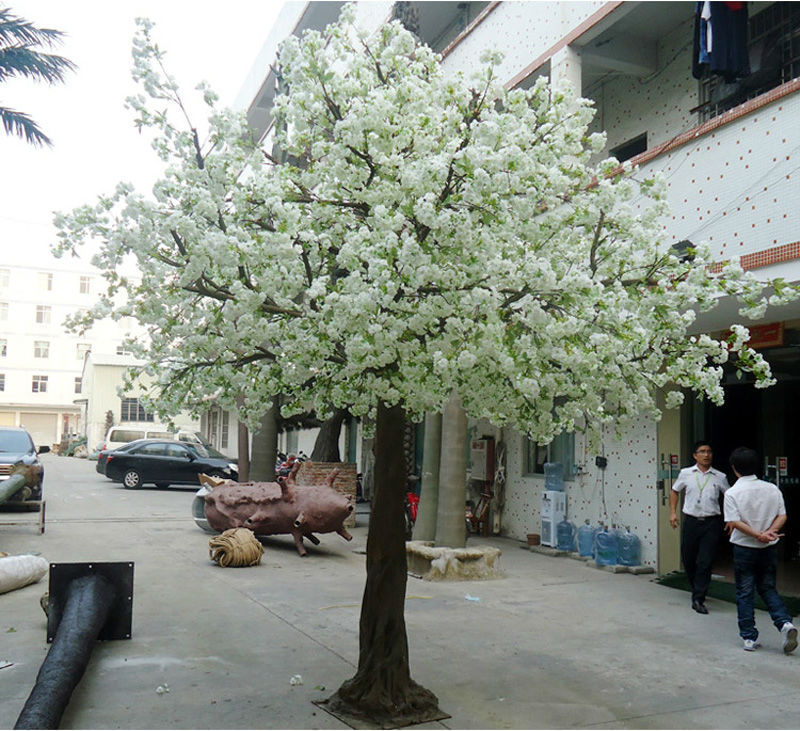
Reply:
x=41, y=363
x=727, y=143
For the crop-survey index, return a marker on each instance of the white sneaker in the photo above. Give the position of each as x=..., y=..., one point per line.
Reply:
x=789, y=637
x=751, y=645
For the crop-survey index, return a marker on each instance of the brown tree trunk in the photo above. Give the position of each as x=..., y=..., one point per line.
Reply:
x=244, y=453
x=382, y=690
x=326, y=446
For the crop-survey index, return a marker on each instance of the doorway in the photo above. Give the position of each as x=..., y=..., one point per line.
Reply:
x=765, y=420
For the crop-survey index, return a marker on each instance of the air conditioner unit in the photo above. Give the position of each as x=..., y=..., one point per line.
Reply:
x=554, y=508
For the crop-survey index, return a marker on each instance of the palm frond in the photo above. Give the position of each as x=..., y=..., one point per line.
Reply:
x=25, y=62
x=20, y=124
x=16, y=31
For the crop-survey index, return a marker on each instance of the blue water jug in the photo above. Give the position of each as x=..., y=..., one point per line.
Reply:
x=554, y=476
x=585, y=539
x=606, y=548
x=629, y=549
x=599, y=528
x=565, y=536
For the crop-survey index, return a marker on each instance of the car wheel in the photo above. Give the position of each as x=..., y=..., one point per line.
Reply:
x=217, y=474
x=162, y=485
x=131, y=479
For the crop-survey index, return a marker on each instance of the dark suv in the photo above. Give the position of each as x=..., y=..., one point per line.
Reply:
x=16, y=446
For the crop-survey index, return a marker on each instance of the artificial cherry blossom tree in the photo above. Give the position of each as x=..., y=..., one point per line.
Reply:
x=428, y=235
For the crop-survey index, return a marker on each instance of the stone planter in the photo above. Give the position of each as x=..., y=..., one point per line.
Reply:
x=440, y=563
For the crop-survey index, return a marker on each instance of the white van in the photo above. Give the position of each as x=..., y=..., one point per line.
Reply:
x=119, y=435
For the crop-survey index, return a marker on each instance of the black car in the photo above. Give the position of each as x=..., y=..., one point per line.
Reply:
x=16, y=446
x=102, y=455
x=164, y=462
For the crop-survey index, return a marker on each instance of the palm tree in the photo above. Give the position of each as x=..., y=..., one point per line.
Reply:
x=19, y=56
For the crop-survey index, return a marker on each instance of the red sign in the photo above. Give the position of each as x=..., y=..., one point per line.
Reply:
x=783, y=466
x=763, y=336
x=673, y=460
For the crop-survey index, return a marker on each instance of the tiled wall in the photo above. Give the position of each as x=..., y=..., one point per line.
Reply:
x=737, y=186
x=734, y=186
x=522, y=31
x=659, y=104
x=623, y=494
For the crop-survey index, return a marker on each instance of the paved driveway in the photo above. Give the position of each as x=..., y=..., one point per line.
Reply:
x=555, y=644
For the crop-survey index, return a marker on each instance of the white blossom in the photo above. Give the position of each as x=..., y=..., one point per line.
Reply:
x=425, y=235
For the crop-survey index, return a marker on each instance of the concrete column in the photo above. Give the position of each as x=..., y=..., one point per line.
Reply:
x=425, y=527
x=565, y=69
x=450, y=523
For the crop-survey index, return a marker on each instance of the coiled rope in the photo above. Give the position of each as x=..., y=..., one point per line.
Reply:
x=235, y=547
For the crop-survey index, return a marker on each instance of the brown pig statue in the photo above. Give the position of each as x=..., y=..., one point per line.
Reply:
x=268, y=508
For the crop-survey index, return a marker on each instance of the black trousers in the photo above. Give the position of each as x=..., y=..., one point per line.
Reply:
x=699, y=538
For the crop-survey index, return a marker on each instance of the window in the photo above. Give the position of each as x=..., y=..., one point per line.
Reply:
x=631, y=148
x=78, y=384
x=132, y=410
x=124, y=436
x=82, y=349
x=223, y=435
x=213, y=422
x=84, y=285
x=153, y=450
x=121, y=350
x=4, y=277
x=176, y=451
x=2, y=381
x=41, y=349
x=774, y=50
x=39, y=384
x=43, y=314
x=561, y=449
x=46, y=281
x=3, y=347
x=3, y=310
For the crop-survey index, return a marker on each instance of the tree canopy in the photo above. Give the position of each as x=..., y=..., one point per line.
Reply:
x=425, y=234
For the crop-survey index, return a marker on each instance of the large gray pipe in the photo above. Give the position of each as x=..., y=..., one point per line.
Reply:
x=11, y=486
x=87, y=606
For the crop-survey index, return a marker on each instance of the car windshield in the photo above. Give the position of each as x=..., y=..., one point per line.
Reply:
x=214, y=453
x=15, y=441
x=198, y=449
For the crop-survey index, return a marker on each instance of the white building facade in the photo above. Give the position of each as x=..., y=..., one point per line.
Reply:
x=41, y=363
x=108, y=402
x=728, y=150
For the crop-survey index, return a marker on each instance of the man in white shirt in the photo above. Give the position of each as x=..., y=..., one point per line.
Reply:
x=702, y=522
x=755, y=512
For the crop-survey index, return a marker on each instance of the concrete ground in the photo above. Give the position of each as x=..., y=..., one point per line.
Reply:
x=554, y=644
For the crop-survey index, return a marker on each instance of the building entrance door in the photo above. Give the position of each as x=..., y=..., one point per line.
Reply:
x=764, y=420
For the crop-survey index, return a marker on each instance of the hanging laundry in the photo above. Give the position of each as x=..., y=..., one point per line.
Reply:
x=720, y=40
x=701, y=61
